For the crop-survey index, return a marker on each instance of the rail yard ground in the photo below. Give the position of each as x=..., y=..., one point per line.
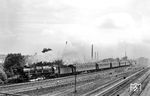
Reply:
x=65, y=86
x=146, y=91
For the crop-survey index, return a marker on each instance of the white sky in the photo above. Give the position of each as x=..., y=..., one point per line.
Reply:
x=27, y=26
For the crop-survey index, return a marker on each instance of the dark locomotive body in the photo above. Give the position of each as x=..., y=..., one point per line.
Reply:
x=52, y=71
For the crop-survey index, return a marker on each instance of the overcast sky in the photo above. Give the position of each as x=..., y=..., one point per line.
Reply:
x=113, y=26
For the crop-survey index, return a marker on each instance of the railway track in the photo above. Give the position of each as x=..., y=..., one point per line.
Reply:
x=124, y=85
x=82, y=87
x=50, y=82
x=113, y=89
x=64, y=81
x=143, y=83
x=70, y=87
x=101, y=88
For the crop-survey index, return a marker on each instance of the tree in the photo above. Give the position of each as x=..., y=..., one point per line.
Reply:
x=13, y=64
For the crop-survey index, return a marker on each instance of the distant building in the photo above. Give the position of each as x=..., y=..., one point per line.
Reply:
x=142, y=61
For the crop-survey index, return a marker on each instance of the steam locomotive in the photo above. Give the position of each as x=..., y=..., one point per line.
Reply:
x=47, y=71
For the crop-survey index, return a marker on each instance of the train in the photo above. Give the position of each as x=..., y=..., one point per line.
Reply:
x=53, y=71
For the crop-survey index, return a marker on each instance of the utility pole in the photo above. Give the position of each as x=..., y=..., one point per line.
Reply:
x=75, y=82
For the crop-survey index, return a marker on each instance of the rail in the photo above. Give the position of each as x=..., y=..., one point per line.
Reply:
x=46, y=83
x=118, y=85
x=143, y=83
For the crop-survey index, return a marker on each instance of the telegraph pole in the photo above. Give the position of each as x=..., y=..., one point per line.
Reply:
x=75, y=82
